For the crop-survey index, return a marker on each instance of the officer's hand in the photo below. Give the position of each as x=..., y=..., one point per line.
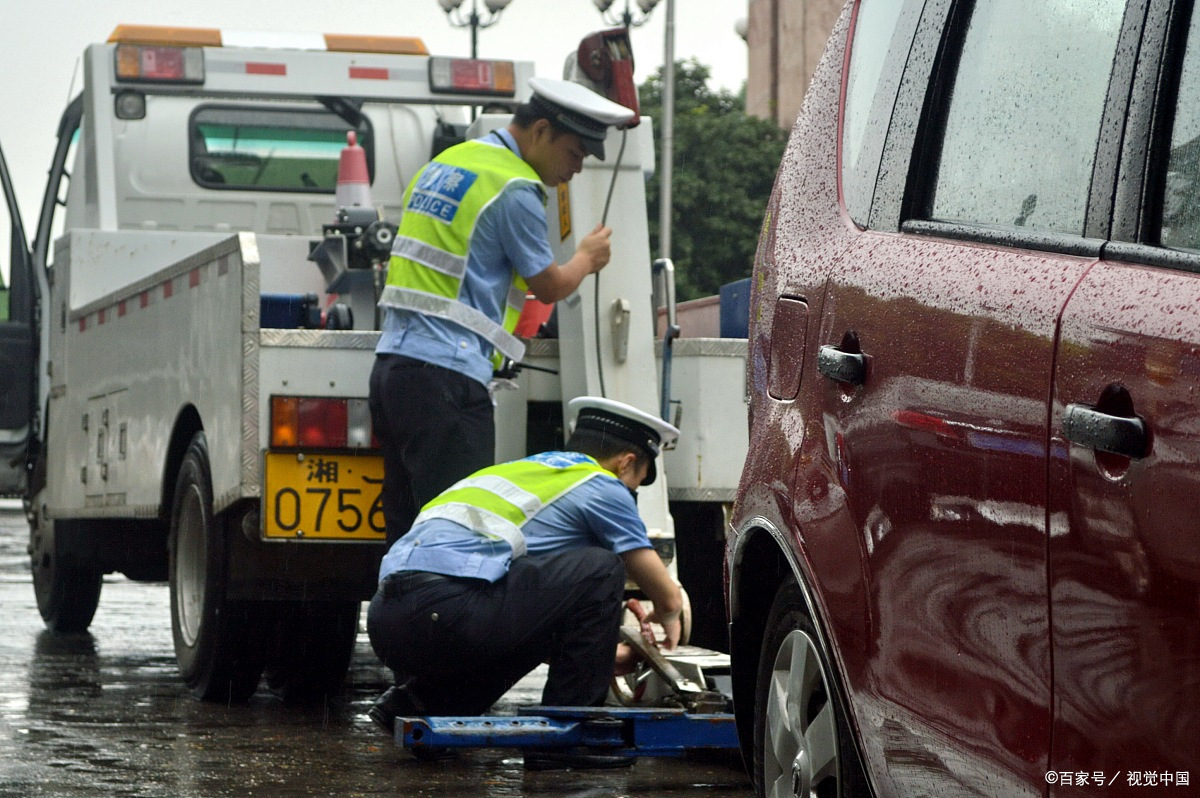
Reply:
x=643, y=619
x=672, y=629
x=597, y=247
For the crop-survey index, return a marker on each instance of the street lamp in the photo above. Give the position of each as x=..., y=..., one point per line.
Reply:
x=626, y=18
x=454, y=13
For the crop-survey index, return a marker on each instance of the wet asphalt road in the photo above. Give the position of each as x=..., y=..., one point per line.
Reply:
x=104, y=714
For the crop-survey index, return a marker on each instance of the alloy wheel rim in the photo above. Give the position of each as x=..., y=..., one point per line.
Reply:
x=800, y=751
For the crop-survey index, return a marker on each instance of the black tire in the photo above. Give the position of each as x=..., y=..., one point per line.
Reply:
x=313, y=645
x=67, y=595
x=798, y=715
x=217, y=656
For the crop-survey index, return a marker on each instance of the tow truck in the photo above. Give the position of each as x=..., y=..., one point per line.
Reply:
x=190, y=333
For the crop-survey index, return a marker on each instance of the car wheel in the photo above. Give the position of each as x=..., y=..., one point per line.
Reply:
x=802, y=742
x=214, y=648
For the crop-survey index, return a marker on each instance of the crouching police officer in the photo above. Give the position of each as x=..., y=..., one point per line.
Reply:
x=523, y=563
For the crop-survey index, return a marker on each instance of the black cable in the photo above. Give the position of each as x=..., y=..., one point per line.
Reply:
x=596, y=295
x=612, y=184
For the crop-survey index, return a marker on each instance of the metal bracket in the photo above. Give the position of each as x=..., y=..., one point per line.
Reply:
x=620, y=329
x=685, y=691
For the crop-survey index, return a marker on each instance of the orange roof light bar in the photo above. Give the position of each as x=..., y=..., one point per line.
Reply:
x=391, y=45
x=160, y=35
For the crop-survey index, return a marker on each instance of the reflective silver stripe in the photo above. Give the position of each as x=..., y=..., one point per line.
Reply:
x=453, y=310
x=516, y=298
x=528, y=503
x=14, y=436
x=480, y=520
x=428, y=255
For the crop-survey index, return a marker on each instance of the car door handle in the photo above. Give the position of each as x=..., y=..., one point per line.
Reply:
x=1121, y=435
x=846, y=367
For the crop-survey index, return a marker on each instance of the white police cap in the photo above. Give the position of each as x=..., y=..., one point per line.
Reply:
x=574, y=107
x=625, y=422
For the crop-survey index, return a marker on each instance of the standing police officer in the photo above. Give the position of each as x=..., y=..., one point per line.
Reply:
x=472, y=241
x=523, y=563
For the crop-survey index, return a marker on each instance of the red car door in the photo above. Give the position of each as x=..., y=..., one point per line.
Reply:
x=1125, y=529
x=942, y=454
x=1125, y=464
x=937, y=351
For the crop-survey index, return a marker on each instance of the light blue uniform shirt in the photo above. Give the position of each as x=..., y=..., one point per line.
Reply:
x=510, y=234
x=599, y=512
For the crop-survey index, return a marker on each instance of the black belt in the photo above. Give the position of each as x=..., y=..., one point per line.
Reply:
x=396, y=584
x=408, y=362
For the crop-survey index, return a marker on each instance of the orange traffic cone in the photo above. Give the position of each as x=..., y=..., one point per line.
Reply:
x=353, y=182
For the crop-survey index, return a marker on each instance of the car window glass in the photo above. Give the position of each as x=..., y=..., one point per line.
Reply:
x=1024, y=117
x=873, y=28
x=1181, y=196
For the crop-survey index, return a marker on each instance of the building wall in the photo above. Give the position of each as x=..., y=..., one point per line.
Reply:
x=785, y=39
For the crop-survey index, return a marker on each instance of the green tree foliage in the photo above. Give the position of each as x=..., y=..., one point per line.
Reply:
x=725, y=163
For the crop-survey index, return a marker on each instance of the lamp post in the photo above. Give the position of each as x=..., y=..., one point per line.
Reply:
x=668, y=134
x=666, y=163
x=626, y=18
x=454, y=13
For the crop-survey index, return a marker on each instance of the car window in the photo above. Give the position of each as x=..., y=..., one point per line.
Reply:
x=873, y=28
x=1181, y=195
x=1024, y=116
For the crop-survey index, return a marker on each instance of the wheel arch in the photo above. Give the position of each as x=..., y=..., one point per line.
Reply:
x=761, y=562
x=757, y=568
x=187, y=424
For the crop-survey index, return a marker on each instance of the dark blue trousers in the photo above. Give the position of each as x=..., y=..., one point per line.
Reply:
x=467, y=641
x=434, y=426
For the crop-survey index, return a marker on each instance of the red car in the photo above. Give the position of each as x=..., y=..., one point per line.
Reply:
x=965, y=554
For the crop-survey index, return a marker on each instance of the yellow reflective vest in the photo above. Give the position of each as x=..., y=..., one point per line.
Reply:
x=429, y=256
x=498, y=501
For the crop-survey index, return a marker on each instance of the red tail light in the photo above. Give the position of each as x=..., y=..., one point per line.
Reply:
x=324, y=423
x=472, y=76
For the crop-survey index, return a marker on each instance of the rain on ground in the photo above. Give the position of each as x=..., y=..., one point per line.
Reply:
x=105, y=714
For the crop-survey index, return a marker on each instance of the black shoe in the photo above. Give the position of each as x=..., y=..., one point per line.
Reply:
x=395, y=702
x=575, y=759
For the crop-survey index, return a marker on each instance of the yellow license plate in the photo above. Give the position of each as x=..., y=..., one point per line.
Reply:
x=323, y=496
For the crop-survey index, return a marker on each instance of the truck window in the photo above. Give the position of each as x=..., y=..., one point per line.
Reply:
x=1181, y=194
x=268, y=149
x=1024, y=115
